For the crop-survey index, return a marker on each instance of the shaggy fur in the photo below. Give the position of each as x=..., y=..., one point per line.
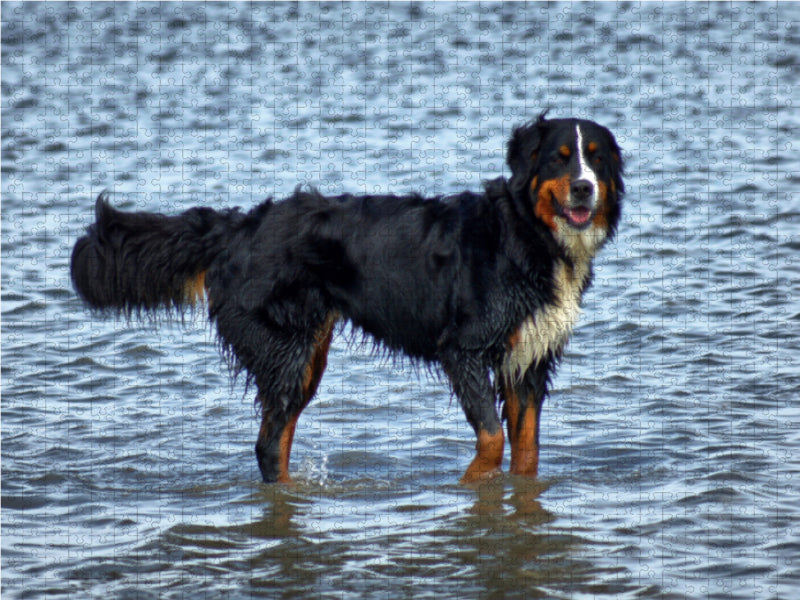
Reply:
x=478, y=283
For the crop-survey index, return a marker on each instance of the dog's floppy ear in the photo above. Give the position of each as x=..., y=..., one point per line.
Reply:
x=522, y=152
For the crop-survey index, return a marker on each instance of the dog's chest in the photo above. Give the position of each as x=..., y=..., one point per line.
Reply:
x=546, y=332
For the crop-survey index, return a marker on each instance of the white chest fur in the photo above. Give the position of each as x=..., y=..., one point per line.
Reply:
x=548, y=329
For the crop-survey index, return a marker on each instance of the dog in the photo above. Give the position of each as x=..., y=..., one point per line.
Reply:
x=485, y=286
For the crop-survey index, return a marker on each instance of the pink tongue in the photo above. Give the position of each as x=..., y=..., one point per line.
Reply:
x=579, y=215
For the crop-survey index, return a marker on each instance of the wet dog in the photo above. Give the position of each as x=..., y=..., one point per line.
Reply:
x=486, y=285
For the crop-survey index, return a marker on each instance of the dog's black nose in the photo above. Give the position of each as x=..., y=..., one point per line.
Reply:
x=581, y=189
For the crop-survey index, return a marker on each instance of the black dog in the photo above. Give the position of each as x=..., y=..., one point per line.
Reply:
x=477, y=282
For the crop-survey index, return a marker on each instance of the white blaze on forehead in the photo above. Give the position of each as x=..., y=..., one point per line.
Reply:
x=586, y=171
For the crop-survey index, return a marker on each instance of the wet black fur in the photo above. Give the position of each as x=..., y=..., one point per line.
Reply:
x=445, y=280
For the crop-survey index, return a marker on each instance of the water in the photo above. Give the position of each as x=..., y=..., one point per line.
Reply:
x=670, y=461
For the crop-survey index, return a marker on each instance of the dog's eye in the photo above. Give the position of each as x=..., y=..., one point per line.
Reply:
x=598, y=160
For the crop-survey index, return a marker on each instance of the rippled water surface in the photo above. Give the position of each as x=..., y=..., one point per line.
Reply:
x=671, y=442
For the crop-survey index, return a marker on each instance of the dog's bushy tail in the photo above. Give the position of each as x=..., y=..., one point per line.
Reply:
x=138, y=261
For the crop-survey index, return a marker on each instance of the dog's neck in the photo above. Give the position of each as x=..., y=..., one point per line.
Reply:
x=580, y=246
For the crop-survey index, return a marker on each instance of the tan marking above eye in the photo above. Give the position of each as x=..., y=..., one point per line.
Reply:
x=592, y=146
x=564, y=151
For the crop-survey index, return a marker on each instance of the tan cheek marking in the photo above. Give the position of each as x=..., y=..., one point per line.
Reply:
x=553, y=188
x=544, y=210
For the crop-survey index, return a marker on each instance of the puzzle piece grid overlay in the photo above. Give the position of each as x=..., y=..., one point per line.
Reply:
x=669, y=462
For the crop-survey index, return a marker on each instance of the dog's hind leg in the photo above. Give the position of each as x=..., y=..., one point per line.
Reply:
x=474, y=391
x=278, y=422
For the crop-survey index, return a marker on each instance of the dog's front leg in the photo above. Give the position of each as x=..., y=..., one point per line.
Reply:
x=474, y=391
x=489, y=455
x=522, y=409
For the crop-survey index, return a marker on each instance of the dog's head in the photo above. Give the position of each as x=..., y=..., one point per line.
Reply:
x=568, y=173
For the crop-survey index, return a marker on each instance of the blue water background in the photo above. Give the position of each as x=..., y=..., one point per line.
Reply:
x=671, y=441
